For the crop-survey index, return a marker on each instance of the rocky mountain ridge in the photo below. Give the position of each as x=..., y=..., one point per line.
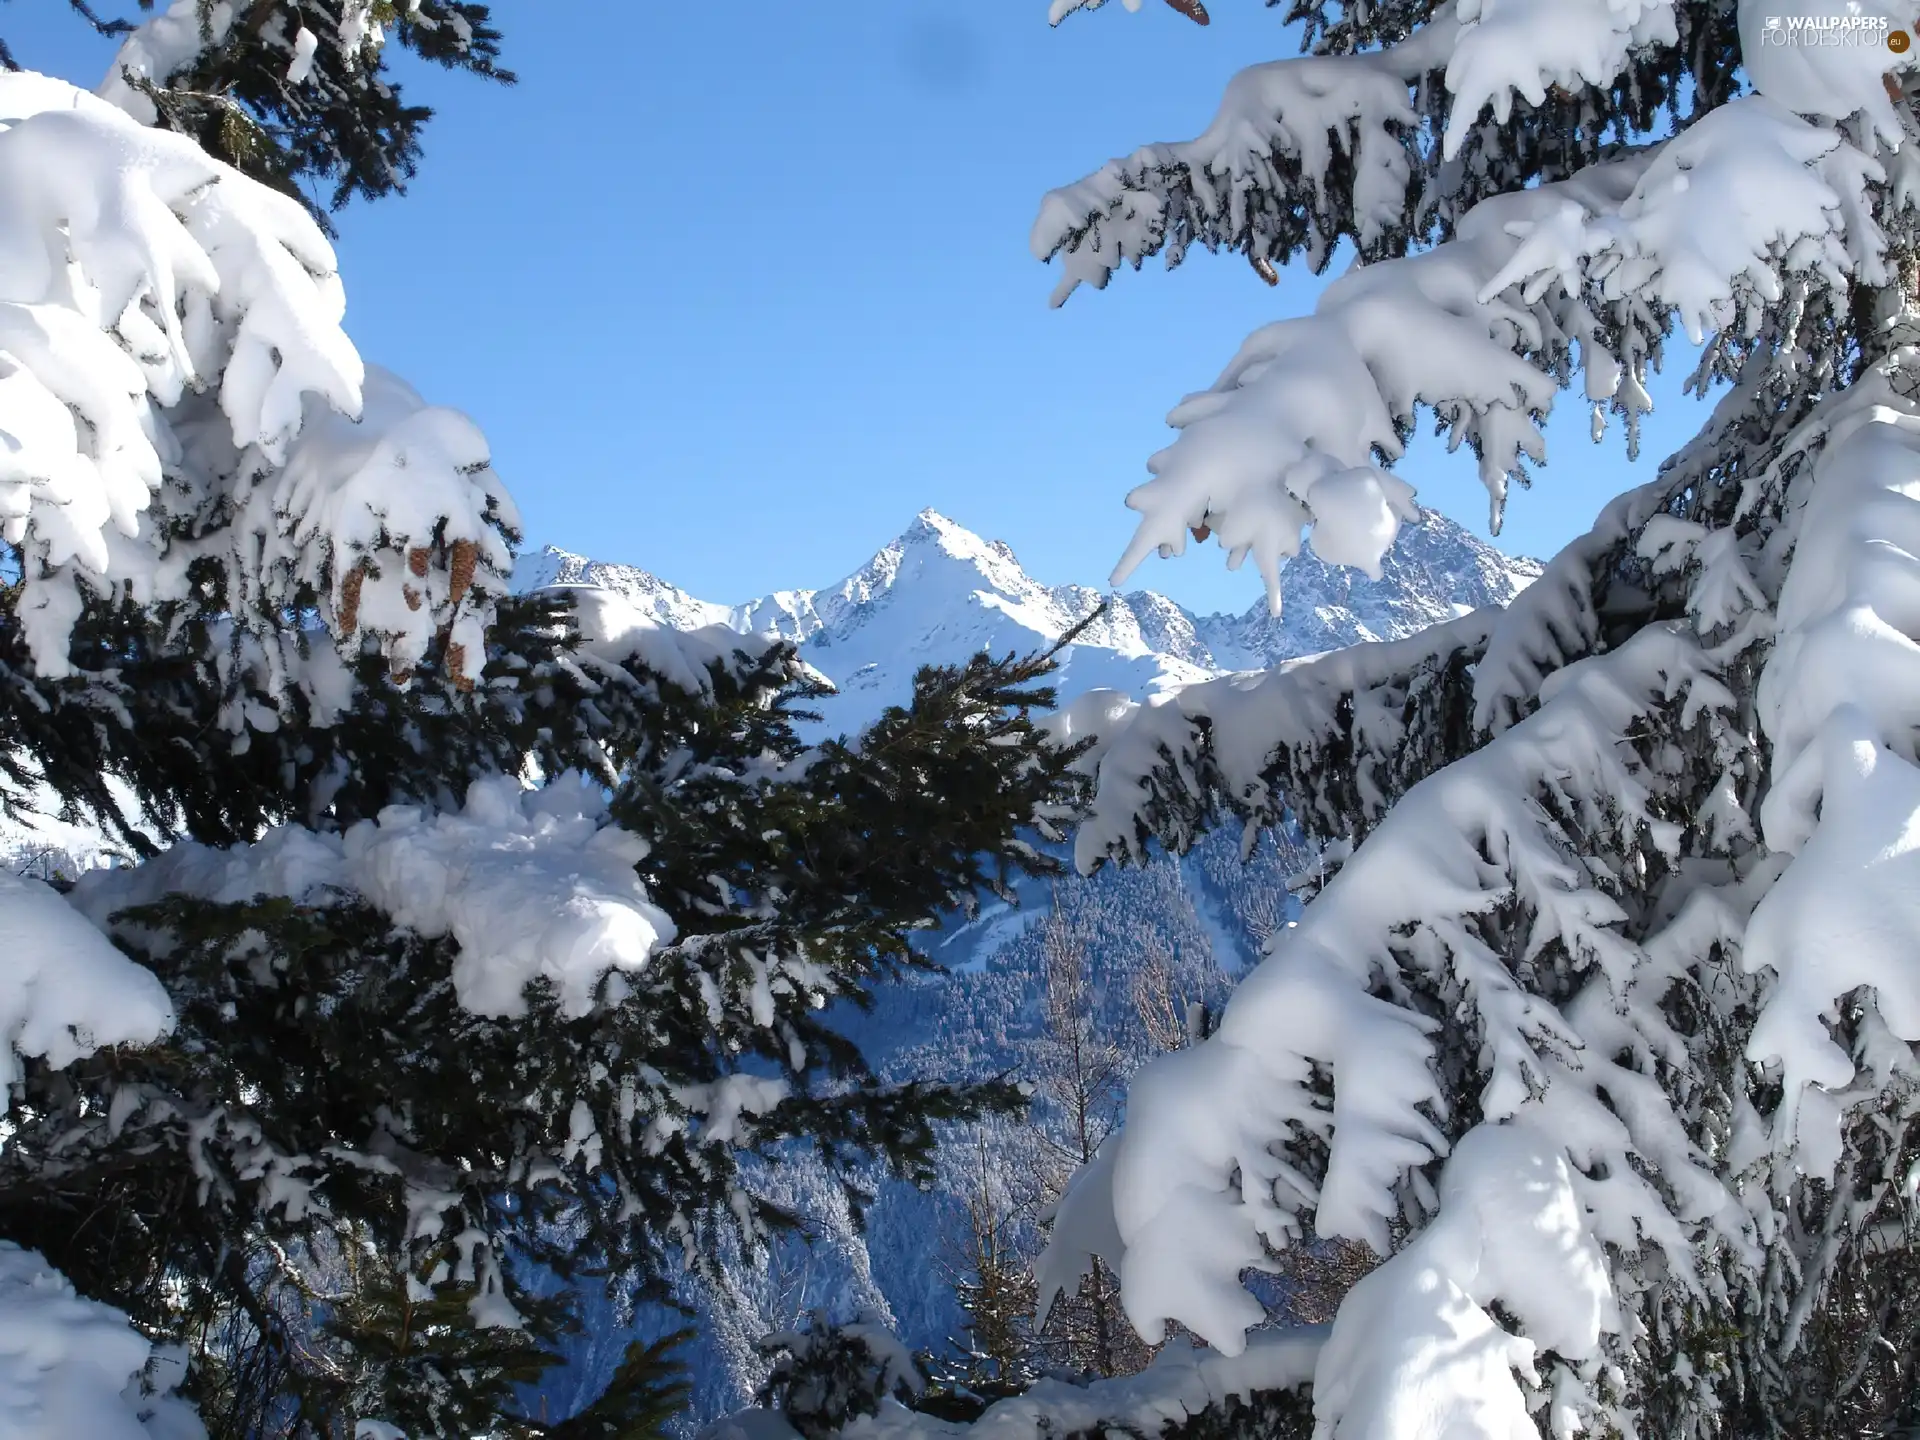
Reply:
x=939, y=592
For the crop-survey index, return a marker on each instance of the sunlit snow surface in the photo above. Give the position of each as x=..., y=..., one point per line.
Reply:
x=73, y=1369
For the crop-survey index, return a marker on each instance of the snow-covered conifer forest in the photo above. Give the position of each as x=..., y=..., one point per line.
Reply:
x=1478, y=1002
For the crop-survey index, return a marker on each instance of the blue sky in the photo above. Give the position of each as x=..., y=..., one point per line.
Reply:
x=737, y=289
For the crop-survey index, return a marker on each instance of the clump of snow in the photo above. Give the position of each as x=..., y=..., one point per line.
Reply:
x=1506, y=47
x=65, y=991
x=726, y=1102
x=300, y=68
x=532, y=884
x=146, y=288
x=1839, y=698
x=1713, y=218
x=1415, y=1349
x=369, y=510
x=615, y=630
x=359, y=29
x=74, y=1369
x=159, y=48
x=1058, y=10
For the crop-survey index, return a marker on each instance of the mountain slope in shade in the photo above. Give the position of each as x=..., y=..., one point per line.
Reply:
x=939, y=593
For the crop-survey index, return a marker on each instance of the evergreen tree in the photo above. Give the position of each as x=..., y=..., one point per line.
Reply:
x=825, y=1376
x=992, y=1274
x=1602, y=1030
x=489, y=932
x=299, y=94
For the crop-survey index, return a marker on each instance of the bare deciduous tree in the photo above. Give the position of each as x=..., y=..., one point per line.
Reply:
x=1171, y=1018
x=1319, y=1273
x=1081, y=1070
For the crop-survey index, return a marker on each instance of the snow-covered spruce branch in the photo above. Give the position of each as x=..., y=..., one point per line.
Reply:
x=163, y=47
x=182, y=391
x=1672, y=546
x=299, y=94
x=1185, y=1384
x=1481, y=834
x=1325, y=739
x=1482, y=330
x=1556, y=620
x=1333, y=740
x=1304, y=153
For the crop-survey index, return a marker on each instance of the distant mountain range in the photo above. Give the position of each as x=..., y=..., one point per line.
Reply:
x=939, y=593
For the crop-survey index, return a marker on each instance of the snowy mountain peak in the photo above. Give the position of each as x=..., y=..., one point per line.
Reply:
x=939, y=550
x=939, y=592
x=954, y=539
x=931, y=524
x=668, y=604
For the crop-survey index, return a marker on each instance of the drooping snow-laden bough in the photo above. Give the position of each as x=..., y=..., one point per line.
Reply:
x=1602, y=1031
